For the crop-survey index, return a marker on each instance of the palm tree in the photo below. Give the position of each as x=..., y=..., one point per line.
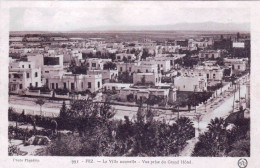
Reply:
x=217, y=127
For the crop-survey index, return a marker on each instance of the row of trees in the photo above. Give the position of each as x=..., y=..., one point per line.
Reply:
x=96, y=133
x=99, y=135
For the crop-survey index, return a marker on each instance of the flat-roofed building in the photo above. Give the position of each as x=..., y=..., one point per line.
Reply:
x=211, y=54
x=237, y=64
x=116, y=86
x=142, y=94
x=191, y=83
x=76, y=82
x=147, y=78
x=125, y=56
x=23, y=75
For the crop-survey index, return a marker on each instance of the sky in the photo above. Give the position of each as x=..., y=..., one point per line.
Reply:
x=79, y=19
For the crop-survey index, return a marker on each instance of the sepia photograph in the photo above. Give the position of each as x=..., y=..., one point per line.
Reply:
x=129, y=82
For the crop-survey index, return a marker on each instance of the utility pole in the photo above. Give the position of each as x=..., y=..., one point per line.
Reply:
x=234, y=97
x=198, y=117
x=178, y=115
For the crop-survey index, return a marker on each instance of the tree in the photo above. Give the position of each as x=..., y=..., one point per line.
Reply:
x=109, y=65
x=145, y=53
x=240, y=148
x=72, y=66
x=143, y=80
x=40, y=102
x=63, y=110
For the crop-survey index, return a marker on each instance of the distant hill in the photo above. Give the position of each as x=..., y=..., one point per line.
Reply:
x=204, y=26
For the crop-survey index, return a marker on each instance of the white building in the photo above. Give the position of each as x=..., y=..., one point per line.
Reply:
x=143, y=93
x=107, y=75
x=212, y=73
x=122, y=56
x=191, y=83
x=23, y=75
x=140, y=67
x=238, y=45
x=76, y=82
x=212, y=54
x=164, y=64
x=94, y=64
x=116, y=86
x=238, y=65
x=146, y=78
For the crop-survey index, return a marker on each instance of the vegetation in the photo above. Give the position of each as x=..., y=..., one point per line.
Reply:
x=125, y=77
x=109, y=65
x=221, y=141
x=141, y=137
x=40, y=102
x=95, y=133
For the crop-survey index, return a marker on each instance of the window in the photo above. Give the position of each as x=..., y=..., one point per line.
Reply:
x=121, y=69
x=29, y=65
x=27, y=75
x=22, y=66
x=36, y=74
x=89, y=84
x=214, y=76
x=64, y=85
x=93, y=64
x=30, y=84
x=82, y=85
x=72, y=86
x=98, y=84
x=57, y=85
x=238, y=67
x=52, y=85
x=207, y=75
x=129, y=57
x=183, y=86
x=46, y=71
x=9, y=75
x=118, y=57
x=146, y=70
x=161, y=65
x=130, y=69
x=36, y=84
x=21, y=86
x=113, y=88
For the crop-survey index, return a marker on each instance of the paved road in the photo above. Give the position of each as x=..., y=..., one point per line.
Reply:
x=222, y=109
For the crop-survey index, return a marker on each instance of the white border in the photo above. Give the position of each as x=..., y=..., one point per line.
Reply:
x=201, y=162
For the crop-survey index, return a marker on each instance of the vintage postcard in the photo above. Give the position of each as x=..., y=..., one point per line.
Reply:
x=136, y=84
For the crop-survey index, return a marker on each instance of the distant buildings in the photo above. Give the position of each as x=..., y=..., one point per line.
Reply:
x=210, y=54
x=236, y=64
x=125, y=56
x=134, y=70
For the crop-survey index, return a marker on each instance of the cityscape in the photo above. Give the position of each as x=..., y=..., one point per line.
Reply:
x=129, y=93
